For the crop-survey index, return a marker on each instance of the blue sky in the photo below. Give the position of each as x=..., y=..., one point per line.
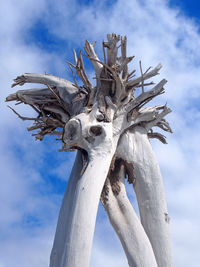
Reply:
x=38, y=36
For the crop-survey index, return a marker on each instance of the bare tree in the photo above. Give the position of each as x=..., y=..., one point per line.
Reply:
x=110, y=128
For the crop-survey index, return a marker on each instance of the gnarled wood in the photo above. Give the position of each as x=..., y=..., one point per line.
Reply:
x=105, y=122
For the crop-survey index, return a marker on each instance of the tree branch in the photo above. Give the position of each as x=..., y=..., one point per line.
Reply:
x=22, y=117
x=158, y=136
x=146, y=76
x=146, y=96
x=46, y=79
x=89, y=49
x=112, y=49
x=158, y=121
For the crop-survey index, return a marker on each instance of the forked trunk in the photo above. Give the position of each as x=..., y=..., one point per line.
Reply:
x=93, y=119
x=127, y=226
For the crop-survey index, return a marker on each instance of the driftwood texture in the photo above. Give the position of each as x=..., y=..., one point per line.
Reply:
x=110, y=128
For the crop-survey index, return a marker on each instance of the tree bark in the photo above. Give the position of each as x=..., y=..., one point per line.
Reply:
x=127, y=226
x=136, y=149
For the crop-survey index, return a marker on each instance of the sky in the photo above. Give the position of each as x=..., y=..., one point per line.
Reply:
x=38, y=36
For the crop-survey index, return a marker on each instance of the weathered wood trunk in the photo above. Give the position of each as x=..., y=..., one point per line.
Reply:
x=65, y=214
x=127, y=226
x=84, y=210
x=149, y=189
x=93, y=119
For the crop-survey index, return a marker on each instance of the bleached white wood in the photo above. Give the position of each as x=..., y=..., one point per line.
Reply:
x=93, y=119
x=146, y=96
x=135, y=148
x=89, y=49
x=47, y=79
x=127, y=226
x=84, y=209
x=146, y=76
x=65, y=214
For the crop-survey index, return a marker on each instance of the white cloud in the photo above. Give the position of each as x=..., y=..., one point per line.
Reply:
x=156, y=34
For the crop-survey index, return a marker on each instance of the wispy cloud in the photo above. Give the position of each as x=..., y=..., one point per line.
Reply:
x=29, y=194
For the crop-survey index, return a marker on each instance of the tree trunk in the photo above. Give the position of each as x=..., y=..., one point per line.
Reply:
x=124, y=220
x=137, y=150
x=94, y=119
x=84, y=210
x=65, y=214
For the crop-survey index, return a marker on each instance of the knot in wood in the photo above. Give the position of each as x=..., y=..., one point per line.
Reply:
x=96, y=130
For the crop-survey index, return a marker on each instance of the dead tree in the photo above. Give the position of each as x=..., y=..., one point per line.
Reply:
x=110, y=128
